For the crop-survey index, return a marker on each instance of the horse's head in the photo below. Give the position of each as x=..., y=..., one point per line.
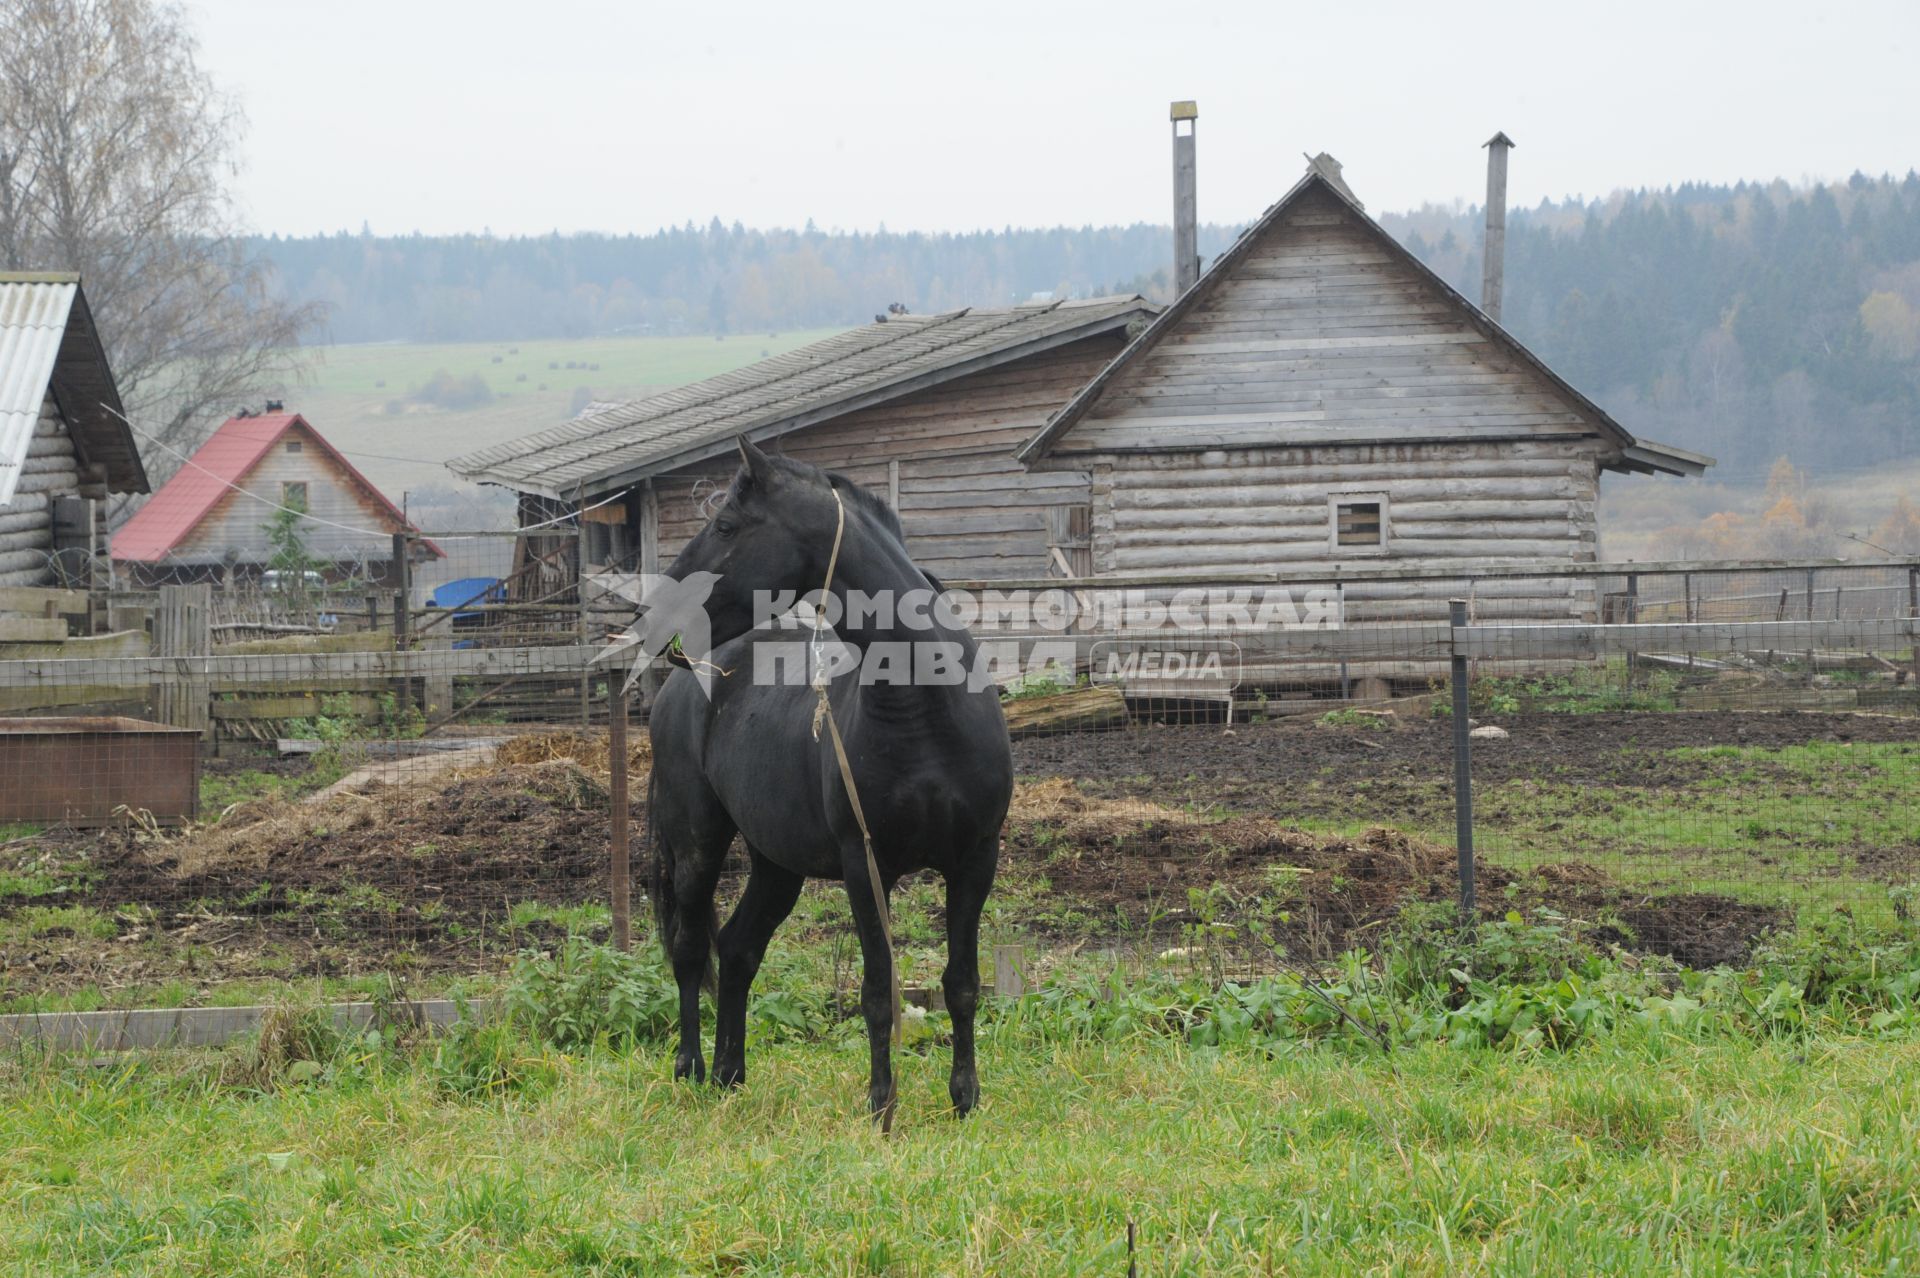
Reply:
x=772, y=533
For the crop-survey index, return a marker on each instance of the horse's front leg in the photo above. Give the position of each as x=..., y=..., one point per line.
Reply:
x=876, y=984
x=689, y=945
x=967, y=889
x=771, y=892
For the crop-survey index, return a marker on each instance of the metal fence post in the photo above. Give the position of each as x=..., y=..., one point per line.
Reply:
x=1462, y=764
x=619, y=881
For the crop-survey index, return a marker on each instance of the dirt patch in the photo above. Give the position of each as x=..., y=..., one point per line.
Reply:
x=1153, y=870
x=1294, y=757
x=1111, y=833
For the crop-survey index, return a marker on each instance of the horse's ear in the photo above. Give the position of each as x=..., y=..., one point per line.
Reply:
x=759, y=465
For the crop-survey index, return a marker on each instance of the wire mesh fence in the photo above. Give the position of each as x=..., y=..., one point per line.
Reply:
x=1199, y=781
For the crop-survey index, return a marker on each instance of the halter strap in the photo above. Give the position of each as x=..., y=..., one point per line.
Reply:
x=824, y=711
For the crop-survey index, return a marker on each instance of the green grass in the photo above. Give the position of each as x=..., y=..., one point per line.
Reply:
x=30, y=884
x=10, y=830
x=1775, y=825
x=344, y=396
x=61, y=920
x=1647, y=1155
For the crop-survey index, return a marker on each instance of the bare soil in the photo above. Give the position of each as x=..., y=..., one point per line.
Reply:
x=1143, y=831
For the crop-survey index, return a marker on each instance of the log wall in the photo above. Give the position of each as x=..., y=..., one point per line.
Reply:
x=52, y=470
x=944, y=458
x=1322, y=365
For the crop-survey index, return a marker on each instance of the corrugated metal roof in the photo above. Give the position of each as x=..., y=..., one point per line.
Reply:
x=33, y=320
x=217, y=467
x=853, y=369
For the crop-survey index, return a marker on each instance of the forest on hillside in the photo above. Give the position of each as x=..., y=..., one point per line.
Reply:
x=1751, y=322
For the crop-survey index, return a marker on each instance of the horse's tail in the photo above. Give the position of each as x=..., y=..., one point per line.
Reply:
x=666, y=905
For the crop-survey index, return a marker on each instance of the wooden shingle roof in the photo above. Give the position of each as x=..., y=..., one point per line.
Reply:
x=1323, y=175
x=621, y=443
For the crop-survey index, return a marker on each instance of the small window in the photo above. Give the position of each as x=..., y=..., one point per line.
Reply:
x=1359, y=523
x=294, y=495
x=293, y=445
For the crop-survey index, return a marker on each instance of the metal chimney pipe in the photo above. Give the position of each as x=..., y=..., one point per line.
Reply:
x=1494, y=264
x=1186, y=222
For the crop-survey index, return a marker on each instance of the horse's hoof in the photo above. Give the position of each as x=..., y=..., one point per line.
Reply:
x=881, y=1102
x=729, y=1076
x=689, y=1065
x=966, y=1095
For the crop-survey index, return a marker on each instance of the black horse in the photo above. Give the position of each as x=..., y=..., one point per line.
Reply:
x=733, y=753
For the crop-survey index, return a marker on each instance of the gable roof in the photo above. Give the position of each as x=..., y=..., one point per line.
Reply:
x=48, y=342
x=1323, y=174
x=216, y=468
x=620, y=443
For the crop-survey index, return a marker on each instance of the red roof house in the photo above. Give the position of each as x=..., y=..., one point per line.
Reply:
x=212, y=516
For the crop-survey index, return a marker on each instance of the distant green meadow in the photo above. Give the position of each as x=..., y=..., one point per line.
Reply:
x=362, y=397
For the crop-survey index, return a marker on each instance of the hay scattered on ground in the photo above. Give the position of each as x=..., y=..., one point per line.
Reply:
x=589, y=750
x=386, y=819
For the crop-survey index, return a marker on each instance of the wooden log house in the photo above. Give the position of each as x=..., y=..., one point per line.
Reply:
x=1321, y=398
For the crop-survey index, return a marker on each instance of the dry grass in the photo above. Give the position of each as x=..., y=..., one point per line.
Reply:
x=589, y=750
x=1059, y=803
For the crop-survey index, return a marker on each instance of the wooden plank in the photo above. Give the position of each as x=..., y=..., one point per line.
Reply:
x=296, y=706
x=1581, y=642
x=237, y=673
x=33, y=629
x=355, y=641
x=1461, y=570
x=36, y=601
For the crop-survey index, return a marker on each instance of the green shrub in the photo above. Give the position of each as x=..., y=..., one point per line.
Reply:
x=586, y=994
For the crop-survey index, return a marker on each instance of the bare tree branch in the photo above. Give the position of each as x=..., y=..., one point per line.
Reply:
x=115, y=149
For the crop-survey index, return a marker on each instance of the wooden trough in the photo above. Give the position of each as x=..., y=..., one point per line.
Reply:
x=97, y=770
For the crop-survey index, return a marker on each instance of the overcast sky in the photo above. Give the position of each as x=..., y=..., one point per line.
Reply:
x=530, y=117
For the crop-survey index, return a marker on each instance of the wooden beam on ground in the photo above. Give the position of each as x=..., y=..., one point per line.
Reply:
x=147, y=1028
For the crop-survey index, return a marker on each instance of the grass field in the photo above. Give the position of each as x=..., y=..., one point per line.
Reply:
x=533, y=385
x=1532, y=1098
x=1649, y=1154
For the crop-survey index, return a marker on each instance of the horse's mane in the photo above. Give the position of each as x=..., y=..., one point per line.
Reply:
x=870, y=502
x=851, y=492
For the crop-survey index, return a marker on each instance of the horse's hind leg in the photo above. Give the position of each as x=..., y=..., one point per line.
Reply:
x=967, y=889
x=771, y=892
x=684, y=886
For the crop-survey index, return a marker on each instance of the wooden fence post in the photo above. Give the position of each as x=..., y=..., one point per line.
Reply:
x=1633, y=615
x=1463, y=767
x=620, y=869
x=402, y=614
x=183, y=627
x=1009, y=971
x=582, y=619
x=1913, y=610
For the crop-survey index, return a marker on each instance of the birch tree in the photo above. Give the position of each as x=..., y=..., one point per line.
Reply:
x=116, y=151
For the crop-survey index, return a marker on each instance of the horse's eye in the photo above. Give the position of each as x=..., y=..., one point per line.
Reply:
x=725, y=527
